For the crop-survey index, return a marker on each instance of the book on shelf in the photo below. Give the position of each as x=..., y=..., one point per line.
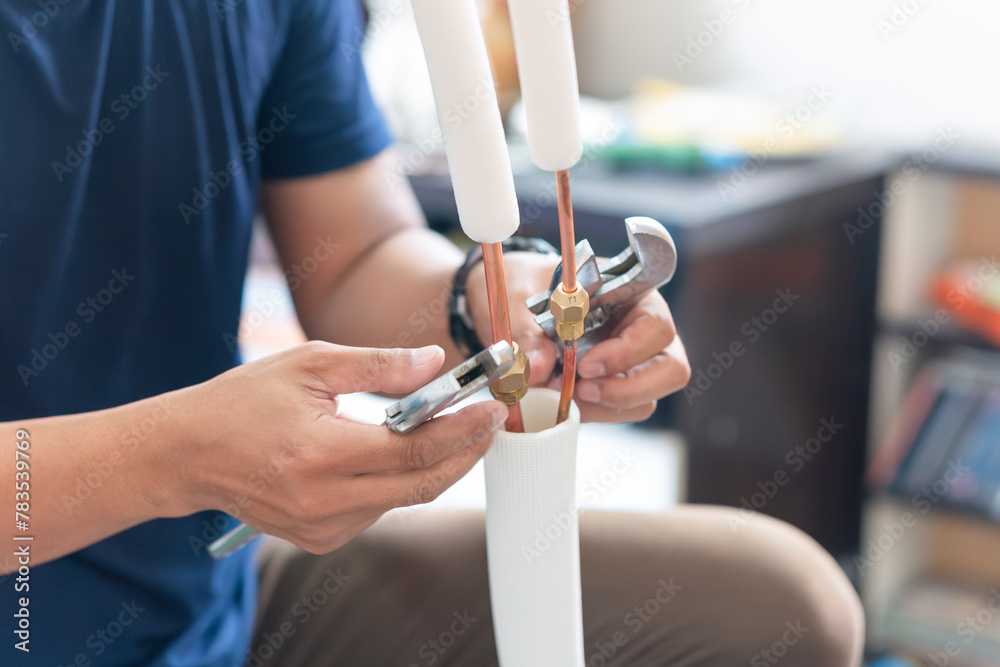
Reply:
x=943, y=448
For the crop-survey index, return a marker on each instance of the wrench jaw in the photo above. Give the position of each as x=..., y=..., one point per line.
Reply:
x=653, y=246
x=588, y=275
x=616, y=285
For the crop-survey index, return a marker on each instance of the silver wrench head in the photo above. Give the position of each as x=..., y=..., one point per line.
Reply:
x=648, y=263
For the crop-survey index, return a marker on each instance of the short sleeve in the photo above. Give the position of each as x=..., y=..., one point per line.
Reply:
x=318, y=104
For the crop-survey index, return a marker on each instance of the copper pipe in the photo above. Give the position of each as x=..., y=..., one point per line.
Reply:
x=568, y=381
x=567, y=237
x=496, y=290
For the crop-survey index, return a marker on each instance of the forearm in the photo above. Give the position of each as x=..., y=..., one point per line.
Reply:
x=396, y=296
x=89, y=476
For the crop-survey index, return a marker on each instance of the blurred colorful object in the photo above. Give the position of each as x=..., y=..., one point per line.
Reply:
x=970, y=291
x=687, y=129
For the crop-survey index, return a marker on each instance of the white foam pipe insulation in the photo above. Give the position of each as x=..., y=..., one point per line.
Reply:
x=467, y=110
x=533, y=538
x=550, y=92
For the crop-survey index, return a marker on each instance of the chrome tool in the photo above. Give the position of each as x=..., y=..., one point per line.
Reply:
x=408, y=413
x=616, y=285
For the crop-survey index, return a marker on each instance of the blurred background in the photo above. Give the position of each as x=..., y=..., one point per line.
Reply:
x=831, y=175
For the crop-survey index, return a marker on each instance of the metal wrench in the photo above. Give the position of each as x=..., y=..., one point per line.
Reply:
x=616, y=285
x=408, y=413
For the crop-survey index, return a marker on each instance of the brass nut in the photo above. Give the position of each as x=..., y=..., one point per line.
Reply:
x=513, y=385
x=512, y=398
x=569, y=309
x=569, y=331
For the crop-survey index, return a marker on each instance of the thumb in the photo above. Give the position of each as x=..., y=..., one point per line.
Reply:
x=346, y=370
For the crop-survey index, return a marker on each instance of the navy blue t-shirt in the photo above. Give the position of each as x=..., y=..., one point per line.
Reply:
x=133, y=139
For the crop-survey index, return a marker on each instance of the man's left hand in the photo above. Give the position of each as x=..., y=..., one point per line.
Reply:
x=621, y=378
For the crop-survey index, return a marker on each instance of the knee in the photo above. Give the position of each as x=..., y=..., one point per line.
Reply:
x=806, y=610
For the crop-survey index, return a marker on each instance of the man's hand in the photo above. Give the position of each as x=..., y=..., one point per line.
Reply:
x=621, y=378
x=269, y=431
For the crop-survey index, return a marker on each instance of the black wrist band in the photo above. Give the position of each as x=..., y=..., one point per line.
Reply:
x=463, y=331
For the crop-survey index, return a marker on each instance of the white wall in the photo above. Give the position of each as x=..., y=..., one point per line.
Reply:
x=941, y=66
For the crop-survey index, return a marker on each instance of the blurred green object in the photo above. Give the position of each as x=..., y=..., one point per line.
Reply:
x=686, y=157
x=681, y=157
x=893, y=662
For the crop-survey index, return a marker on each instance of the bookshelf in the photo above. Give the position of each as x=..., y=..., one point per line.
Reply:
x=926, y=568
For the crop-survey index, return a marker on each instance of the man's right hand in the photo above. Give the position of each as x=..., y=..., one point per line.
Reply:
x=266, y=438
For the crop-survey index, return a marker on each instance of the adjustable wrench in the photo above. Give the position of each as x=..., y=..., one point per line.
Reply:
x=616, y=285
x=408, y=413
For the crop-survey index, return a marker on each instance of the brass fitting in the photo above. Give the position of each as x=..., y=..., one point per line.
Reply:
x=569, y=309
x=513, y=385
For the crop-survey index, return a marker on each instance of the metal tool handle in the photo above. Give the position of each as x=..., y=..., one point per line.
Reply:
x=233, y=541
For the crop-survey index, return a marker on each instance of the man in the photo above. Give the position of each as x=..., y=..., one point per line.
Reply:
x=136, y=140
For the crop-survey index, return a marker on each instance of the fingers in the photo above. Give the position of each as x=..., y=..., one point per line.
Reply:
x=647, y=329
x=324, y=539
x=325, y=535
x=365, y=449
x=418, y=487
x=326, y=523
x=590, y=412
x=650, y=380
x=345, y=370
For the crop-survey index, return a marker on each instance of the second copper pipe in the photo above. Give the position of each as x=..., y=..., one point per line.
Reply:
x=567, y=237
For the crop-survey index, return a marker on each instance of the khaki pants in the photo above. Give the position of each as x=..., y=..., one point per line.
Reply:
x=686, y=588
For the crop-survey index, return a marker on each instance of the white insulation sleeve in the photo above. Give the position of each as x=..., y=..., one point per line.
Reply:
x=467, y=110
x=533, y=538
x=550, y=92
